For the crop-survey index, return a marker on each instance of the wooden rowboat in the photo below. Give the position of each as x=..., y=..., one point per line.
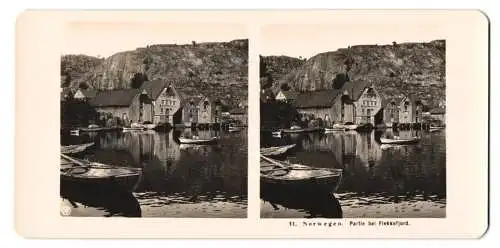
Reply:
x=436, y=128
x=125, y=129
x=301, y=130
x=74, y=149
x=335, y=129
x=413, y=140
x=91, y=175
x=276, y=150
x=198, y=140
x=296, y=177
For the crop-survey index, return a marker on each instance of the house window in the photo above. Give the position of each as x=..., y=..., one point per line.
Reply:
x=161, y=110
x=163, y=102
x=205, y=105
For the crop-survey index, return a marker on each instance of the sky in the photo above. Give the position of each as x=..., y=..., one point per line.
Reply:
x=106, y=39
x=307, y=40
x=295, y=40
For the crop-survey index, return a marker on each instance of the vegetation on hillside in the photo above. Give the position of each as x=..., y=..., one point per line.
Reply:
x=416, y=69
x=217, y=69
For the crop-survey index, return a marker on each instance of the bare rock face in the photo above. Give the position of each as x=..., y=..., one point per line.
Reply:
x=218, y=69
x=409, y=68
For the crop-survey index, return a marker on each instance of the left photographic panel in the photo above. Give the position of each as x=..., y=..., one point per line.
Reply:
x=154, y=120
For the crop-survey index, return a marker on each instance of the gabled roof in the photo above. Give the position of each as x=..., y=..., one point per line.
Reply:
x=438, y=111
x=355, y=88
x=154, y=87
x=88, y=93
x=237, y=111
x=395, y=100
x=114, y=98
x=65, y=92
x=290, y=94
x=194, y=99
x=313, y=99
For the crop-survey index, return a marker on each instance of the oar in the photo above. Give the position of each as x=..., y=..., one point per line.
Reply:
x=76, y=161
x=273, y=161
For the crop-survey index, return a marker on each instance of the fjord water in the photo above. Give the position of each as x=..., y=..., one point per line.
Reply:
x=380, y=181
x=178, y=180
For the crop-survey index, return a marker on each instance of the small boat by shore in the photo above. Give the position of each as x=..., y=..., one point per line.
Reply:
x=197, y=140
x=150, y=126
x=74, y=149
x=335, y=128
x=276, y=150
x=233, y=128
x=75, y=132
x=301, y=178
x=297, y=129
x=125, y=129
x=99, y=129
x=436, y=128
x=397, y=141
x=92, y=175
x=277, y=134
x=351, y=127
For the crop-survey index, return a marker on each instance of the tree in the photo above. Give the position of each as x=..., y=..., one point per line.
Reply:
x=285, y=87
x=83, y=86
x=340, y=80
x=67, y=81
x=138, y=80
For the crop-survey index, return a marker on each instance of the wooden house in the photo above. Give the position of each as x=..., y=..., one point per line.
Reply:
x=190, y=110
x=120, y=104
x=166, y=102
x=209, y=110
x=438, y=114
x=350, y=103
x=239, y=115
x=410, y=110
x=391, y=111
x=66, y=93
x=367, y=105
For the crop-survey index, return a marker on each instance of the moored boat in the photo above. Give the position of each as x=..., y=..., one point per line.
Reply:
x=351, y=127
x=276, y=150
x=91, y=175
x=197, y=140
x=74, y=149
x=412, y=140
x=301, y=178
x=335, y=128
x=150, y=126
x=74, y=132
x=297, y=129
x=233, y=128
x=277, y=133
x=433, y=128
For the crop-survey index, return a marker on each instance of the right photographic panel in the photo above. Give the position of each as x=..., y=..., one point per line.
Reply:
x=352, y=121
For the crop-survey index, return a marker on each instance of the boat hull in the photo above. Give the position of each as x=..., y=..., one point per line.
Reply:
x=276, y=151
x=200, y=141
x=303, y=130
x=76, y=149
x=302, y=186
x=396, y=142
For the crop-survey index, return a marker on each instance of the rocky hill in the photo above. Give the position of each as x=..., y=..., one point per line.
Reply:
x=273, y=68
x=218, y=69
x=408, y=68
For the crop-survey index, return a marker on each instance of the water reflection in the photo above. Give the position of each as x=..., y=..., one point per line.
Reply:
x=180, y=180
x=376, y=176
